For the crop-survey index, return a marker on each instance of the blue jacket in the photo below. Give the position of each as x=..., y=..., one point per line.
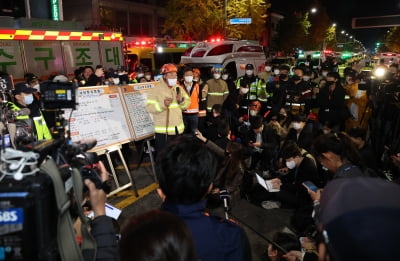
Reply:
x=215, y=238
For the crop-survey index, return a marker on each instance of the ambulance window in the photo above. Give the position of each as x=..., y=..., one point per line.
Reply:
x=221, y=49
x=187, y=51
x=250, y=49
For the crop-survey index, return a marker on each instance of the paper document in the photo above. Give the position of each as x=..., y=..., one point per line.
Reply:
x=111, y=212
x=267, y=184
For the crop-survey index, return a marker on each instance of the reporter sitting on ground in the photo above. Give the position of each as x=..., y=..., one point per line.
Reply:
x=185, y=171
x=337, y=153
x=102, y=228
x=156, y=236
x=230, y=172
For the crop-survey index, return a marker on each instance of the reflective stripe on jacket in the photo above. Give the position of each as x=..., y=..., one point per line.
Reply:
x=155, y=105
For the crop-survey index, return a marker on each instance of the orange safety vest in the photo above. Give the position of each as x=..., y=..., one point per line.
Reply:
x=194, y=95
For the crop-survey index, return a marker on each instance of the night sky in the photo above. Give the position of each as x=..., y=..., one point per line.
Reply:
x=342, y=12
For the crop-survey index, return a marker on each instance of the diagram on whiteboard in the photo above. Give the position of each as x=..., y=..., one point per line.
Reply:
x=100, y=115
x=135, y=99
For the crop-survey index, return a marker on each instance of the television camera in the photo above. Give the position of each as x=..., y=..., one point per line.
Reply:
x=37, y=200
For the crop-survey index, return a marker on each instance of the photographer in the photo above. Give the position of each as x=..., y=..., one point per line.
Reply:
x=101, y=226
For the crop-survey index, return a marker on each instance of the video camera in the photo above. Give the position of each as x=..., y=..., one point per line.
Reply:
x=29, y=212
x=30, y=206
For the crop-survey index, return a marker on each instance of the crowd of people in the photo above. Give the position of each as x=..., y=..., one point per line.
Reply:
x=309, y=134
x=298, y=129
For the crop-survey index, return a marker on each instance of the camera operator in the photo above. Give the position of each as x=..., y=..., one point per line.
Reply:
x=101, y=226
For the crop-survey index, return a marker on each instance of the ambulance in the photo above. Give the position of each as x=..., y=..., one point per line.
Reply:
x=47, y=52
x=233, y=55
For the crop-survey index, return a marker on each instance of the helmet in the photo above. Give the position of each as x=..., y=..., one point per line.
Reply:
x=169, y=67
x=255, y=105
x=217, y=68
x=249, y=66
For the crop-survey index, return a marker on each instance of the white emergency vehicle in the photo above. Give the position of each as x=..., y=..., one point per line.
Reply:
x=233, y=55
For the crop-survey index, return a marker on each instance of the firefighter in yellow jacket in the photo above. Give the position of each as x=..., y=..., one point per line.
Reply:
x=165, y=103
x=30, y=123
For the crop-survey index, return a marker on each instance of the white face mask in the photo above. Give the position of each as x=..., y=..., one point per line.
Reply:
x=37, y=87
x=276, y=72
x=148, y=77
x=324, y=74
x=297, y=125
x=217, y=76
x=225, y=77
x=172, y=82
x=267, y=68
x=116, y=81
x=253, y=113
x=249, y=72
x=291, y=164
x=306, y=78
x=140, y=75
x=188, y=78
x=28, y=99
x=244, y=90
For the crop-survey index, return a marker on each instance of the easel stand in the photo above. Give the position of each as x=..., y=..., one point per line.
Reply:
x=107, y=152
x=141, y=156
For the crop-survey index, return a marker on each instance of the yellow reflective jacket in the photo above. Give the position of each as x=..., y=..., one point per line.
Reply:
x=40, y=130
x=167, y=119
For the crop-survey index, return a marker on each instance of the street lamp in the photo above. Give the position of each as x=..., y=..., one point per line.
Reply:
x=313, y=10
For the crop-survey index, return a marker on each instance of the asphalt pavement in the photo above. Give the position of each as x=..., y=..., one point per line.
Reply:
x=260, y=224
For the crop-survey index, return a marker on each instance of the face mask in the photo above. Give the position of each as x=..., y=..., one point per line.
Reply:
x=249, y=72
x=297, y=125
x=28, y=99
x=244, y=90
x=281, y=117
x=324, y=74
x=116, y=81
x=253, y=113
x=295, y=77
x=291, y=164
x=225, y=77
x=306, y=78
x=172, y=82
x=267, y=68
x=217, y=76
x=37, y=87
x=140, y=75
x=188, y=78
x=329, y=83
x=282, y=77
x=276, y=72
x=148, y=77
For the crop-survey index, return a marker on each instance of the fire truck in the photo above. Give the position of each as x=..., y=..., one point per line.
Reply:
x=47, y=52
x=153, y=52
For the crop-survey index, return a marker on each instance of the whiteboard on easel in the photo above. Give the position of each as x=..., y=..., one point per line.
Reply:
x=100, y=114
x=135, y=98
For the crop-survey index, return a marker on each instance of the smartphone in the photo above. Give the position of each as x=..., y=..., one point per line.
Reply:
x=310, y=185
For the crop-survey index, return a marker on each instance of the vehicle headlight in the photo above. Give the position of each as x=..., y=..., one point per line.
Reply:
x=380, y=72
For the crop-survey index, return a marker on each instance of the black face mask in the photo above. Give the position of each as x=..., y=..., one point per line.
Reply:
x=281, y=117
x=295, y=77
x=329, y=83
x=282, y=77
